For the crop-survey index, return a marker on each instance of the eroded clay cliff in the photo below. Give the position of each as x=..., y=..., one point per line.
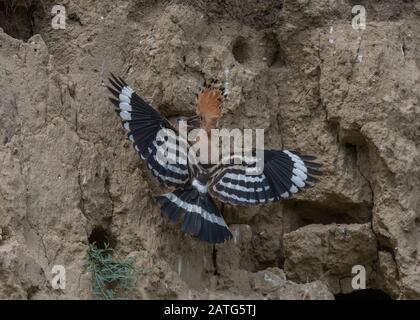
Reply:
x=294, y=68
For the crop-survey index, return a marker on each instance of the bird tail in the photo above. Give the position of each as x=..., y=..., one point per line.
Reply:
x=198, y=214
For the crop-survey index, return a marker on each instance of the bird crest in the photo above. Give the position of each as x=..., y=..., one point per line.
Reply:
x=209, y=103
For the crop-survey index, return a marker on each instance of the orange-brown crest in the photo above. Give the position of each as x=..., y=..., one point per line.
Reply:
x=209, y=103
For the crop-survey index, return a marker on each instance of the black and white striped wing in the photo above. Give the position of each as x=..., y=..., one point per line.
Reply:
x=148, y=131
x=284, y=173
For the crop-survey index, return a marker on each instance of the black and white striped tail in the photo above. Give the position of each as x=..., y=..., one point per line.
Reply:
x=198, y=213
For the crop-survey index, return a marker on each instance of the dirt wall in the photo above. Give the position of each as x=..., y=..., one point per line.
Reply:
x=294, y=68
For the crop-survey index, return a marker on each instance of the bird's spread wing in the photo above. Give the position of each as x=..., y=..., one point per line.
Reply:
x=284, y=173
x=153, y=137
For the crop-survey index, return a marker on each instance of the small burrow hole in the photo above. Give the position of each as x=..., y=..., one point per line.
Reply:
x=17, y=19
x=101, y=238
x=274, y=55
x=241, y=50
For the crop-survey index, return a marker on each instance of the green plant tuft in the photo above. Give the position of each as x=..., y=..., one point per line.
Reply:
x=111, y=279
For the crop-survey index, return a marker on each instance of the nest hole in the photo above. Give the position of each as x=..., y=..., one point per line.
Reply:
x=102, y=238
x=241, y=50
x=17, y=18
x=274, y=55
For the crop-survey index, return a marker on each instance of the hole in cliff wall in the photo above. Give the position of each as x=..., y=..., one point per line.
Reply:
x=259, y=50
x=366, y=294
x=298, y=214
x=272, y=51
x=17, y=18
x=241, y=50
x=102, y=238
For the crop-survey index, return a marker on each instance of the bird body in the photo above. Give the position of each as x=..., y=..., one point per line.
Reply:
x=196, y=183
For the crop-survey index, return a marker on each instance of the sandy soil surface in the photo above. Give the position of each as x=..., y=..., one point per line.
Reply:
x=297, y=69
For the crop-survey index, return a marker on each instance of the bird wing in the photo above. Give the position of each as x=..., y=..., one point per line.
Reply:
x=154, y=138
x=284, y=173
